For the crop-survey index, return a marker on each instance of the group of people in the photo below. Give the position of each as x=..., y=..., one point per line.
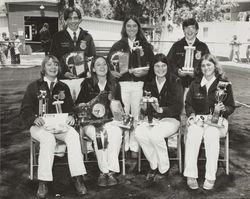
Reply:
x=157, y=79
x=13, y=46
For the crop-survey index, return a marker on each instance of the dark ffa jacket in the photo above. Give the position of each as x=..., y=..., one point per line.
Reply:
x=147, y=58
x=176, y=57
x=170, y=98
x=89, y=91
x=30, y=104
x=62, y=44
x=198, y=101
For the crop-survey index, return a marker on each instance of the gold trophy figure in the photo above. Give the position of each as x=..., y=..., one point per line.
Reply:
x=137, y=48
x=216, y=119
x=43, y=102
x=189, y=57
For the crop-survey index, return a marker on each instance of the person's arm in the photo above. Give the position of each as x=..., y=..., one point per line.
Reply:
x=176, y=102
x=28, y=112
x=229, y=103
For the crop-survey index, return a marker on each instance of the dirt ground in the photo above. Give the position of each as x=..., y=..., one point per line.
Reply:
x=14, y=182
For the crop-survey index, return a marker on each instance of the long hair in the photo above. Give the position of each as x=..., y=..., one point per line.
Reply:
x=45, y=60
x=93, y=74
x=211, y=58
x=139, y=36
x=111, y=82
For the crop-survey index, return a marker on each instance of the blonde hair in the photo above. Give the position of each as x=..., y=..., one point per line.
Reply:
x=45, y=60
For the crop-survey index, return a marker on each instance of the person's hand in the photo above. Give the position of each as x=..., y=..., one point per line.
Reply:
x=116, y=74
x=70, y=75
x=181, y=73
x=39, y=122
x=140, y=73
x=143, y=104
x=70, y=120
x=156, y=105
x=191, y=119
x=220, y=106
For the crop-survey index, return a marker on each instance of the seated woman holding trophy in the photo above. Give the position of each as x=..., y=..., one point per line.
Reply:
x=162, y=105
x=93, y=106
x=209, y=102
x=47, y=108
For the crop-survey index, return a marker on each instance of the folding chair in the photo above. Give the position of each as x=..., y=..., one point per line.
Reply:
x=178, y=157
x=225, y=158
x=34, y=146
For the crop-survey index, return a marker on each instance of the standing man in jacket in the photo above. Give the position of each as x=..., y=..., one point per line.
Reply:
x=72, y=39
x=176, y=55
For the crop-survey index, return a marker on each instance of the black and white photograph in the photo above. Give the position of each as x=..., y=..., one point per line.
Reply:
x=125, y=99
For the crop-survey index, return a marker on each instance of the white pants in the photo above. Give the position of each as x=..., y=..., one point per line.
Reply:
x=153, y=144
x=47, y=142
x=211, y=136
x=131, y=96
x=107, y=158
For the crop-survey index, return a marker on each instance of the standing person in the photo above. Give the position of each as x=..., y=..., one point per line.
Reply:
x=132, y=81
x=235, y=51
x=17, y=45
x=248, y=51
x=6, y=43
x=45, y=38
x=166, y=97
x=101, y=80
x=2, y=53
x=12, y=52
x=200, y=102
x=176, y=55
x=72, y=39
x=49, y=84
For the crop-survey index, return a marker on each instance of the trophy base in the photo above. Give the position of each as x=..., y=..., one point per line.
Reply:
x=218, y=124
x=187, y=71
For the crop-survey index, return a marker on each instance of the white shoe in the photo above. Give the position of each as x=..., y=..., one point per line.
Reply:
x=192, y=183
x=208, y=184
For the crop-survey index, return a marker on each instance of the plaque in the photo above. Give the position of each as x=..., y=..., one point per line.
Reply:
x=75, y=62
x=119, y=61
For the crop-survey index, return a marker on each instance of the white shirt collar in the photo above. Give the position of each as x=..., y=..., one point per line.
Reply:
x=160, y=85
x=48, y=81
x=131, y=43
x=71, y=32
x=102, y=86
x=190, y=43
x=205, y=82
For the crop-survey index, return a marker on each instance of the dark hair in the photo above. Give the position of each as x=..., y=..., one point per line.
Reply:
x=110, y=78
x=139, y=36
x=69, y=11
x=93, y=74
x=45, y=60
x=160, y=57
x=190, y=22
x=211, y=58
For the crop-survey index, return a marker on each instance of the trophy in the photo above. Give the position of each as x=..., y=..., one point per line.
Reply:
x=43, y=102
x=189, y=57
x=148, y=100
x=216, y=119
x=58, y=103
x=136, y=48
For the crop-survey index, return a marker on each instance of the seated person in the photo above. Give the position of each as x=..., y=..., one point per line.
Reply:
x=47, y=137
x=102, y=81
x=200, y=102
x=166, y=102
